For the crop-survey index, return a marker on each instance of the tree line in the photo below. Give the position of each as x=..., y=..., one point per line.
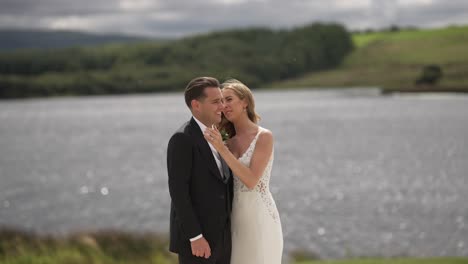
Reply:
x=257, y=56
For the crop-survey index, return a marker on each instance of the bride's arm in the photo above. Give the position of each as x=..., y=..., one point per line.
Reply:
x=261, y=156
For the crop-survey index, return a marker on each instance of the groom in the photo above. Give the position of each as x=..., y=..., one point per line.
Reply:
x=200, y=183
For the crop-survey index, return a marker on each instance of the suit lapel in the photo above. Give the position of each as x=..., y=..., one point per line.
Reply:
x=205, y=149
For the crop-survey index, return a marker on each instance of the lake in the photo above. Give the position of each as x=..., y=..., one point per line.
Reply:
x=355, y=173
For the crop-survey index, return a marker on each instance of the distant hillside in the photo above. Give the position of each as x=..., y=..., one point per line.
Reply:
x=394, y=60
x=257, y=56
x=42, y=39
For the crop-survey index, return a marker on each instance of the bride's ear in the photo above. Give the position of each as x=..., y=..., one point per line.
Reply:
x=244, y=104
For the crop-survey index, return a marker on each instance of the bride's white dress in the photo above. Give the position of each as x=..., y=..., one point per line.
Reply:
x=257, y=237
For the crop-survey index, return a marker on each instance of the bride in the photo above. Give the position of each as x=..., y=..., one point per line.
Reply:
x=257, y=236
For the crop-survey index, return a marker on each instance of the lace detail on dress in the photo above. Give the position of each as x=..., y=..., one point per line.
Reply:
x=262, y=187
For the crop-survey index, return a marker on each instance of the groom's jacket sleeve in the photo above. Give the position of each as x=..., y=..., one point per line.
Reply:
x=179, y=166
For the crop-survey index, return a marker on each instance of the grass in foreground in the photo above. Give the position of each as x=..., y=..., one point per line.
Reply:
x=396, y=59
x=106, y=247
x=116, y=247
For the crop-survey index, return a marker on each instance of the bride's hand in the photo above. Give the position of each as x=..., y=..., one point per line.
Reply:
x=213, y=136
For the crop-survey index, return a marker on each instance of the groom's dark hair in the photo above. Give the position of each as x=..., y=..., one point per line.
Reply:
x=196, y=87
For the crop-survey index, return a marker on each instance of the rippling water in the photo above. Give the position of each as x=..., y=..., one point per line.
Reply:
x=355, y=174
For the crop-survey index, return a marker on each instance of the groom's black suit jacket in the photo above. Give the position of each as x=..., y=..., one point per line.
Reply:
x=201, y=197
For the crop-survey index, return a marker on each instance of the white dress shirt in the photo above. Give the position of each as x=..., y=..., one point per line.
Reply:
x=213, y=150
x=217, y=159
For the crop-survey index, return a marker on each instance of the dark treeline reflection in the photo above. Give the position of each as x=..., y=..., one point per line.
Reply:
x=257, y=56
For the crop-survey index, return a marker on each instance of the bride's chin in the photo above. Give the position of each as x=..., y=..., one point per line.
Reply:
x=228, y=118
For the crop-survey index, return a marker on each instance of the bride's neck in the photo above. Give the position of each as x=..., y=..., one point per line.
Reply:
x=244, y=125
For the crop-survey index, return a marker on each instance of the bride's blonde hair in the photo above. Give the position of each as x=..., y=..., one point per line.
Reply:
x=244, y=93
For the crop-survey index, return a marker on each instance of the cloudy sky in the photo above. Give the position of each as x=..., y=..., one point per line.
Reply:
x=181, y=17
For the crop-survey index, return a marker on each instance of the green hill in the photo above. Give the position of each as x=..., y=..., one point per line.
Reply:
x=257, y=56
x=394, y=60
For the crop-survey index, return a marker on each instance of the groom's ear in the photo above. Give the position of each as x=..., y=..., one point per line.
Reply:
x=195, y=105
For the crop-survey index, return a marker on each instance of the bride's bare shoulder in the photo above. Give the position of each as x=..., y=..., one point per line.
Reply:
x=265, y=136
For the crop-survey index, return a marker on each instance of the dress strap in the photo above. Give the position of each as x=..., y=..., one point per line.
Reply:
x=256, y=136
x=260, y=129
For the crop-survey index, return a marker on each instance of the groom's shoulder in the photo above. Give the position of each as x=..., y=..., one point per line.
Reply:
x=183, y=129
x=182, y=132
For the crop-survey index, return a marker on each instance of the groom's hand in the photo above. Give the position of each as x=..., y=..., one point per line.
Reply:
x=201, y=248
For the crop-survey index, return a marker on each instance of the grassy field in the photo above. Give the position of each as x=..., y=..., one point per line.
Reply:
x=395, y=60
x=106, y=247
x=116, y=247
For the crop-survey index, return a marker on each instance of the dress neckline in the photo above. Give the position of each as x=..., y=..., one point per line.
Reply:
x=251, y=143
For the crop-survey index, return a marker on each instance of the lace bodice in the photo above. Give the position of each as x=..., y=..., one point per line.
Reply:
x=262, y=187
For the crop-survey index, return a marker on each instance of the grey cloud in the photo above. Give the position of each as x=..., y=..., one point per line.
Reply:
x=439, y=14
x=43, y=8
x=182, y=17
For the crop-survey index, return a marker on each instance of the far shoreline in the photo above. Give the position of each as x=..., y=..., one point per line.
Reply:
x=382, y=91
